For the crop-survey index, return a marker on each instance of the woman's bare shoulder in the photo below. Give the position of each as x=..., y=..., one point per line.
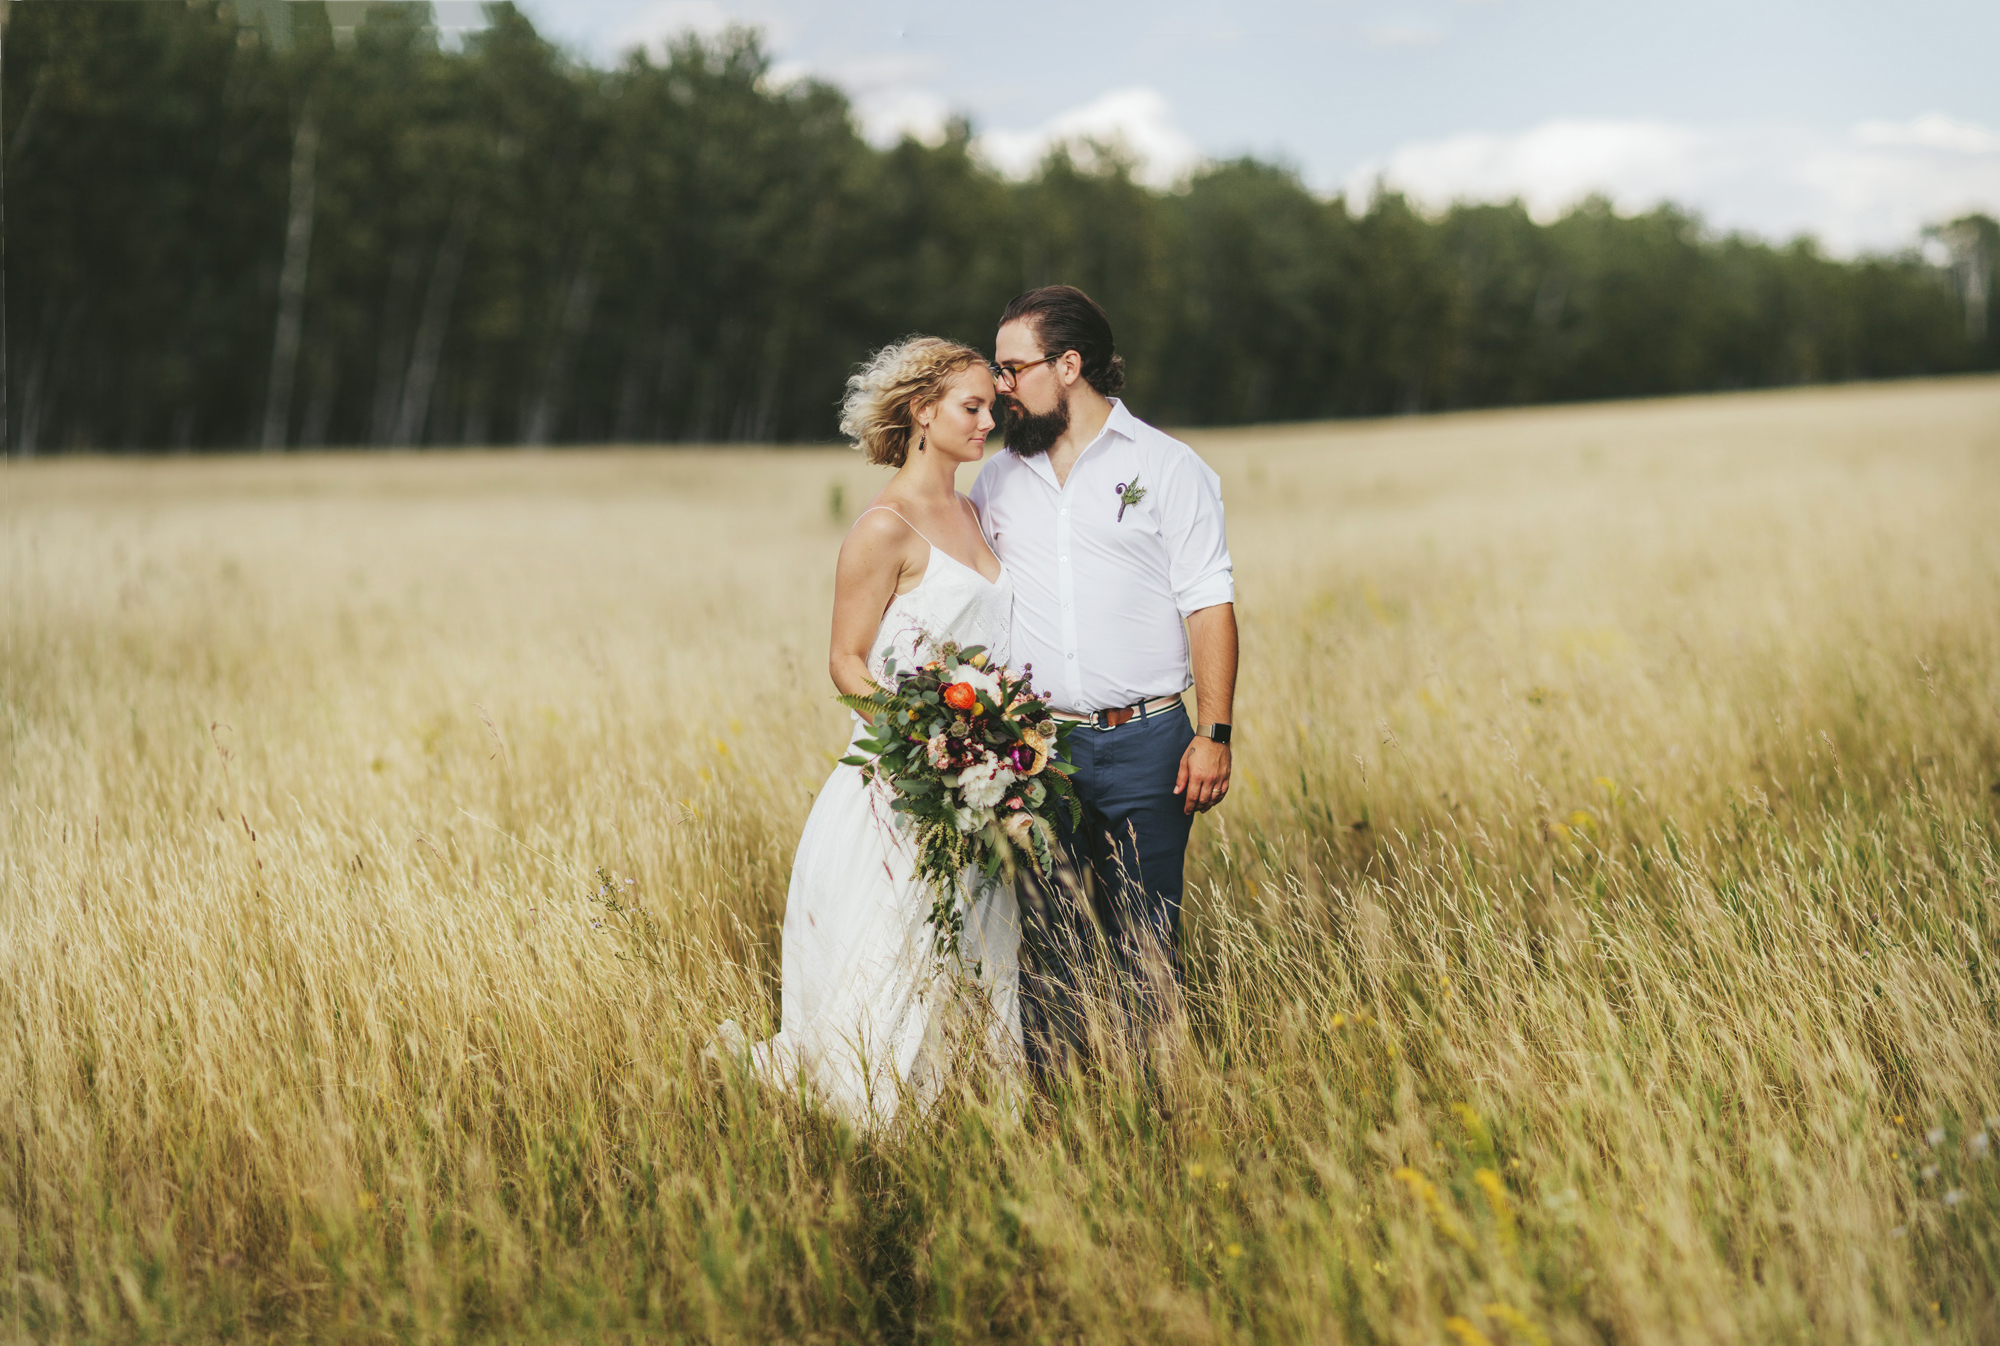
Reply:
x=881, y=522
x=880, y=536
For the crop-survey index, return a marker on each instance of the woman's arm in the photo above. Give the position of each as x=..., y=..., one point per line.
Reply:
x=873, y=561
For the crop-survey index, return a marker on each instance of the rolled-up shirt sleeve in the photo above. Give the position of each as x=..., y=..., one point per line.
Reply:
x=1190, y=517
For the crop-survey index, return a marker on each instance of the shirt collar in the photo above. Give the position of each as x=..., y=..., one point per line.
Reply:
x=1120, y=422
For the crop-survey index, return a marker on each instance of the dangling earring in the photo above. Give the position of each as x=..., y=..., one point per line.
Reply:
x=922, y=440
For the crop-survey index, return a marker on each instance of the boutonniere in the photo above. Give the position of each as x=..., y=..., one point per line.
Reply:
x=1128, y=495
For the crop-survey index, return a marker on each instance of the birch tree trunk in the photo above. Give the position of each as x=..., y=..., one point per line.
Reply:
x=292, y=282
x=1972, y=267
x=392, y=341
x=429, y=344
x=45, y=367
x=575, y=320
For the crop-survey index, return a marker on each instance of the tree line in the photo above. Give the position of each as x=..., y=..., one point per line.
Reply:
x=240, y=226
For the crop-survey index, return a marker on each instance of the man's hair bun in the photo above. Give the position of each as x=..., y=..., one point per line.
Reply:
x=1067, y=319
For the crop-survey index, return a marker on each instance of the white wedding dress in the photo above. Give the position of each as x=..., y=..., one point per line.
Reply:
x=870, y=1019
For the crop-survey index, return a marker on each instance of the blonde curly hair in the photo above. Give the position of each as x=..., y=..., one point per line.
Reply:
x=879, y=413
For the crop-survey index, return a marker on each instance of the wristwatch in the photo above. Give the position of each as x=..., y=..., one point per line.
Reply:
x=1217, y=732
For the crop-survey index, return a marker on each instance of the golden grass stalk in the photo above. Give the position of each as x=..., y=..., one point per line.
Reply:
x=1613, y=851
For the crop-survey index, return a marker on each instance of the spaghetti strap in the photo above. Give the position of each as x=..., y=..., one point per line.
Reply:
x=966, y=565
x=978, y=526
x=906, y=523
x=866, y=1024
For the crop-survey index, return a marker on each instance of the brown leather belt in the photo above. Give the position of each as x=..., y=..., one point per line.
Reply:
x=1111, y=719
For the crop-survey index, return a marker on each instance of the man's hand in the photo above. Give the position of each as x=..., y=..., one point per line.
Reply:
x=1204, y=776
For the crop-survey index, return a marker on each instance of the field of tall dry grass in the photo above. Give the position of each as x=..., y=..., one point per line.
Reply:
x=1599, y=945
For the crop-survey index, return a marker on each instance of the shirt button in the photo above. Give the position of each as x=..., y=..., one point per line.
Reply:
x=1071, y=655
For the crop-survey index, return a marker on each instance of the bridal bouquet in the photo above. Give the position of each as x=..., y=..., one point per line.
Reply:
x=976, y=763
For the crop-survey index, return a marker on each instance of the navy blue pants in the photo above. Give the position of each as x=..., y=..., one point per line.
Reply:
x=1114, y=906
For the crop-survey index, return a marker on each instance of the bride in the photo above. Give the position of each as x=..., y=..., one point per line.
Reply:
x=870, y=1018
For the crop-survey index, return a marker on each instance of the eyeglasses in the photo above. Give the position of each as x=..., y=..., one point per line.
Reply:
x=1008, y=374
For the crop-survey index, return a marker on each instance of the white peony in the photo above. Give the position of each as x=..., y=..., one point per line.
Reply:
x=985, y=785
x=971, y=820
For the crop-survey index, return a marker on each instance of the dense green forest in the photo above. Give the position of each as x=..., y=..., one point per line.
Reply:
x=237, y=226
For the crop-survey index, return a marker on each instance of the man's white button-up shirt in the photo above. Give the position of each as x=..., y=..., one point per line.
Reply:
x=1101, y=585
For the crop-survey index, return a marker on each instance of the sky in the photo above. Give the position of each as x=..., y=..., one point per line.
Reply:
x=1856, y=122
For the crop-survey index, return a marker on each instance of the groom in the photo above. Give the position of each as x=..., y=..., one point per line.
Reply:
x=1122, y=598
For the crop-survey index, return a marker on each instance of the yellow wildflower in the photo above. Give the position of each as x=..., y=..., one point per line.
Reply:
x=1503, y=1213
x=1466, y=1332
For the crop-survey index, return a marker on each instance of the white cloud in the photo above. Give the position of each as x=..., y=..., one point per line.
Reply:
x=891, y=94
x=784, y=74
x=660, y=23
x=1888, y=181
x=455, y=19
x=654, y=27
x=888, y=114
x=1873, y=188
x=1137, y=120
x=1402, y=35
x=881, y=71
x=887, y=90
x=1549, y=166
x=1933, y=131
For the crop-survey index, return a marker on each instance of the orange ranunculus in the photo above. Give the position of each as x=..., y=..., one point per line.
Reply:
x=960, y=696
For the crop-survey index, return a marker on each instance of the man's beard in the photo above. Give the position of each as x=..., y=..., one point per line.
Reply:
x=1029, y=435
